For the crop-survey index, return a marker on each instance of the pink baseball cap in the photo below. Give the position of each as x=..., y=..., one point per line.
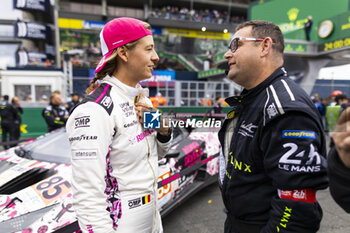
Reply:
x=118, y=32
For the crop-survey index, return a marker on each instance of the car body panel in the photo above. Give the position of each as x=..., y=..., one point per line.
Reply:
x=35, y=195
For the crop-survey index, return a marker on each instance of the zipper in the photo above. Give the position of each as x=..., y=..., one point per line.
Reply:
x=154, y=182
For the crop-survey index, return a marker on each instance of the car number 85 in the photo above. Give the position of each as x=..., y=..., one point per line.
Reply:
x=53, y=187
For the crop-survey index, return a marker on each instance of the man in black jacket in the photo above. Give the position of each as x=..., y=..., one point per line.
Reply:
x=75, y=99
x=273, y=145
x=339, y=162
x=8, y=115
x=307, y=27
x=17, y=118
x=55, y=115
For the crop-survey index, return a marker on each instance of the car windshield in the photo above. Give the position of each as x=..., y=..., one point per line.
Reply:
x=53, y=147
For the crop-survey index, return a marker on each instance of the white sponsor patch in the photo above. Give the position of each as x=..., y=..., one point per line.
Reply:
x=84, y=154
x=272, y=110
x=107, y=101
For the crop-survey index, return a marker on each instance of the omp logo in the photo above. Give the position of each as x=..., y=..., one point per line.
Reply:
x=298, y=134
x=134, y=203
x=83, y=121
x=293, y=14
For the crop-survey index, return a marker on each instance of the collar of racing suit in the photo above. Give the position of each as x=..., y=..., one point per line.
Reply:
x=130, y=91
x=249, y=95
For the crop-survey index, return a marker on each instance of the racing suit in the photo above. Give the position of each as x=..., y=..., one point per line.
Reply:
x=114, y=162
x=273, y=159
x=51, y=112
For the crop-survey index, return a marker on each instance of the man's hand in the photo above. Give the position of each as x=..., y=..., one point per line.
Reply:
x=142, y=107
x=341, y=137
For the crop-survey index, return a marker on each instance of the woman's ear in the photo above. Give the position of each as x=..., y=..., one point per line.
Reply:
x=123, y=53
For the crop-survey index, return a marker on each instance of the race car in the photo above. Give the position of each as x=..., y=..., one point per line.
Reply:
x=35, y=188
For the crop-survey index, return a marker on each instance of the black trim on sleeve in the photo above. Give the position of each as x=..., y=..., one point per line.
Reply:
x=101, y=96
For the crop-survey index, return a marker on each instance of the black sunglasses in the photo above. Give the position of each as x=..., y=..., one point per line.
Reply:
x=234, y=42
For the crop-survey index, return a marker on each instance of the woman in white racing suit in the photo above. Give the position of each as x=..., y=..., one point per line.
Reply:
x=114, y=159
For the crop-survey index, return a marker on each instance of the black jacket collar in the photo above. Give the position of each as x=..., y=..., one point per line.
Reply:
x=247, y=95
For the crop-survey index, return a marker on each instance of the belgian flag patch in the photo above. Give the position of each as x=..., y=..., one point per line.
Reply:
x=146, y=199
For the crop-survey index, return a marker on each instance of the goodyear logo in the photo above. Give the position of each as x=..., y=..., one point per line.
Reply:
x=298, y=134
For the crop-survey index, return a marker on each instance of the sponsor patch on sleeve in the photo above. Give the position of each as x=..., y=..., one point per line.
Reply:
x=83, y=121
x=306, y=195
x=84, y=154
x=298, y=134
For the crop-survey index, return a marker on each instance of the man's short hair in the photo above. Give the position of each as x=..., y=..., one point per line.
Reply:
x=340, y=97
x=54, y=94
x=263, y=29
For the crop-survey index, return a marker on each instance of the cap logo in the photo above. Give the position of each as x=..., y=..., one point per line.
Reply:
x=117, y=42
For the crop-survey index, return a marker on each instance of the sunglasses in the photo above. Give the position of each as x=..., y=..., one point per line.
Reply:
x=234, y=42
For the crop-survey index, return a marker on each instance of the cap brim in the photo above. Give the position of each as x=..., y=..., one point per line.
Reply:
x=102, y=62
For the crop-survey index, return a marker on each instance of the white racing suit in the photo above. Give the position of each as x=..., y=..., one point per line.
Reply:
x=114, y=162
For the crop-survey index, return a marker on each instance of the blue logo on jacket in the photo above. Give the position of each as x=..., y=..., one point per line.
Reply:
x=298, y=134
x=151, y=120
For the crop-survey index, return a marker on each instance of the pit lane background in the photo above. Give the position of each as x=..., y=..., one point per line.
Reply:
x=33, y=124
